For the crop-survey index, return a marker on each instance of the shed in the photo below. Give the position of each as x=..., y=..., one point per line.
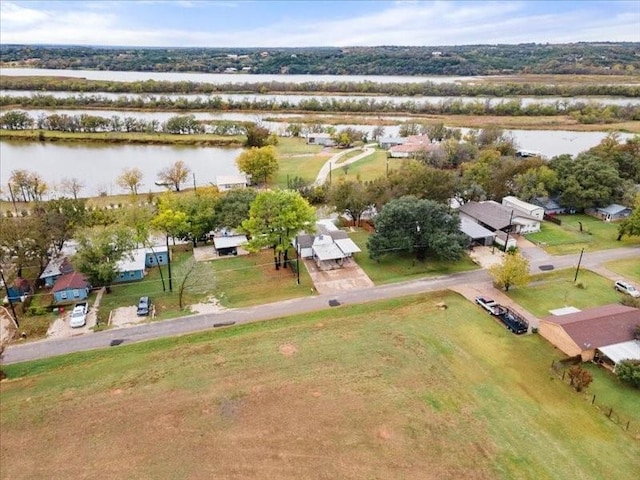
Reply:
x=70, y=287
x=157, y=255
x=230, y=182
x=530, y=209
x=303, y=244
x=19, y=289
x=323, y=139
x=581, y=333
x=387, y=142
x=549, y=205
x=613, y=212
x=228, y=245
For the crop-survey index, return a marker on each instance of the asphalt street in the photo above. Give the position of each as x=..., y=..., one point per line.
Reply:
x=194, y=323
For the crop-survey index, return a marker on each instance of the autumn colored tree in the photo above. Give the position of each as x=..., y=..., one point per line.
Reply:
x=579, y=378
x=130, y=179
x=258, y=163
x=175, y=175
x=512, y=272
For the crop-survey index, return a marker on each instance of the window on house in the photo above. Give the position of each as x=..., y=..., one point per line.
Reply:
x=132, y=274
x=160, y=258
x=63, y=295
x=76, y=293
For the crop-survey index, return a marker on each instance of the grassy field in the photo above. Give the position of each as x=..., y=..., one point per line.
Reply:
x=567, y=238
x=397, y=389
x=628, y=268
x=556, y=290
x=400, y=267
x=123, y=137
x=369, y=168
x=252, y=280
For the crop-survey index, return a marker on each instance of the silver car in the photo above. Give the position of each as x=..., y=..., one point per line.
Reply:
x=626, y=287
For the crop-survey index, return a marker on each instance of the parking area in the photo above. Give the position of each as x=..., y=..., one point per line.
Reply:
x=349, y=277
x=127, y=316
x=60, y=327
x=205, y=254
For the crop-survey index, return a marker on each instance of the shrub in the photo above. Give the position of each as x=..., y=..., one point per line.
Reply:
x=35, y=310
x=630, y=301
x=580, y=378
x=629, y=372
x=580, y=285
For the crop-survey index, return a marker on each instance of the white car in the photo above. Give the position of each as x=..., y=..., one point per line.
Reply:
x=627, y=288
x=78, y=316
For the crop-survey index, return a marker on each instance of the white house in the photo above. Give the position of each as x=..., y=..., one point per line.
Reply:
x=535, y=211
x=320, y=139
x=230, y=182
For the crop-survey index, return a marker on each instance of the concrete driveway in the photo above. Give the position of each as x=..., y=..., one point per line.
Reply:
x=349, y=277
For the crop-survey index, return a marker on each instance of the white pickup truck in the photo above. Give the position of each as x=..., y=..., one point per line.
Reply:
x=491, y=306
x=78, y=315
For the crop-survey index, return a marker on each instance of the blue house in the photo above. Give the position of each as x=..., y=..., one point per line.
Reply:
x=19, y=289
x=55, y=269
x=155, y=256
x=131, y=267
x=613, y=212
x=70, y=287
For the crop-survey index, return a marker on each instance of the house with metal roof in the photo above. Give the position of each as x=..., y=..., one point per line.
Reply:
x=582, y=333
x=549, y=205
x=613, y=212
x=495, y=216
x=527, y=208
x=230, y=182
x=55, y=269
x=323, y=139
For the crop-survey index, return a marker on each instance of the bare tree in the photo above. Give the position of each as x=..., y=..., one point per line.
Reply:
x=174, y=175
x=71, y=186
x=130, y=179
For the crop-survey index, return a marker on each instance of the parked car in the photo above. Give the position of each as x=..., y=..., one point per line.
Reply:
x=78, y=315
x=626, y=287
x=144, y=306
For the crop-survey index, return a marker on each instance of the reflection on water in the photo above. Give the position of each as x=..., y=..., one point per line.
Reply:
x=98, y=166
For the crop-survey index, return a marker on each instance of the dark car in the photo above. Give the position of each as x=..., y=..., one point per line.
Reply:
x=144, y=306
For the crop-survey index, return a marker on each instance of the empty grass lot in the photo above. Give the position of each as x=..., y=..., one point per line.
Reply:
x=369, y=168
x=628, y=268
x=400, y=267
x=567, y=238
x=556, y=290
x=396, y=389
x=252, y=280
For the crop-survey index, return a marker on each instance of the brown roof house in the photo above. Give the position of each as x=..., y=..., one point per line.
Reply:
x=70, y=287
x=581, y=333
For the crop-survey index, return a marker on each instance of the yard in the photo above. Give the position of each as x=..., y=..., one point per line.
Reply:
x=401, y=267
x=369, y=168
x=556, y=290
x=567, y=238
x=394, y=389
x=628, y=268
x=252, y=280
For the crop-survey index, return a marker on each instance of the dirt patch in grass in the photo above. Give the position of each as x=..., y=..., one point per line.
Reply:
x=287, y=349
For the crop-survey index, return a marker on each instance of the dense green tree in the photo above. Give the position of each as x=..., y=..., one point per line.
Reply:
x=631, y=225
x=15, y=120
x=629, y=372
x=535, y=182
x=260, y=164
x=512, y=272
x=418, y=227
x=275, y=218
x=351, y=197
x=233, y=208
x=257, y=135
x=99, y=253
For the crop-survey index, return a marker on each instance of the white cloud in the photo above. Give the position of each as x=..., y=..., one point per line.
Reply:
x=402, y=23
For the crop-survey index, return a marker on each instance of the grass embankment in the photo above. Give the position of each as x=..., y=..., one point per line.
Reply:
x=203, y=140
x=395, y=389
x=553, y=290
x=627, y=268
x=400, y=267
x=567, y=238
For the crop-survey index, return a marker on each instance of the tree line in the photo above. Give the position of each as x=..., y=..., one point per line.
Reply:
x=425, y=88
x=584, y=112
x=607, y=58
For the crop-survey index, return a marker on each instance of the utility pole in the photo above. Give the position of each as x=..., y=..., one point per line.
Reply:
x=194, y=180
x=298, y=262
x=506, y=243
x=578, y=267
x=169, y=263
x=6, y=287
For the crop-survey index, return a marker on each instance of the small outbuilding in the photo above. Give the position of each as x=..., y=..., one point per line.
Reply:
x=228, y=245
x=231, y=182
x=323, y=139
x=613, y=212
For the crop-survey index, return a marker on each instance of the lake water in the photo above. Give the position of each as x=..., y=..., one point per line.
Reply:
x=98, y=166
x=296, y=99
x=221, y=78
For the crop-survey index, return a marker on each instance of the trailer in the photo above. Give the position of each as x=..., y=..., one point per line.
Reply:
x=514, y=322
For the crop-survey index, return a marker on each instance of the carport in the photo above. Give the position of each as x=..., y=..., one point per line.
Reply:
x=477, y=234
x=228, y=245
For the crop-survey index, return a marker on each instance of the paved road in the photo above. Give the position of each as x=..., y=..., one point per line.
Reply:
x=194, y=323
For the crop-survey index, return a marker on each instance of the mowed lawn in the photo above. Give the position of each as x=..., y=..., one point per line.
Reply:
x=369, y=168
x=252, y=280
x=391, y=390
x=400, y=267
x=567, y=238
x=556, y=290
x=628, y=268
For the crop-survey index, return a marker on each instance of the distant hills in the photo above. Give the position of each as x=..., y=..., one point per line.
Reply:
x=465, y=60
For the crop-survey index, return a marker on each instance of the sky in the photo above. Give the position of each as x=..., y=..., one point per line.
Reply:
x=343, y=23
